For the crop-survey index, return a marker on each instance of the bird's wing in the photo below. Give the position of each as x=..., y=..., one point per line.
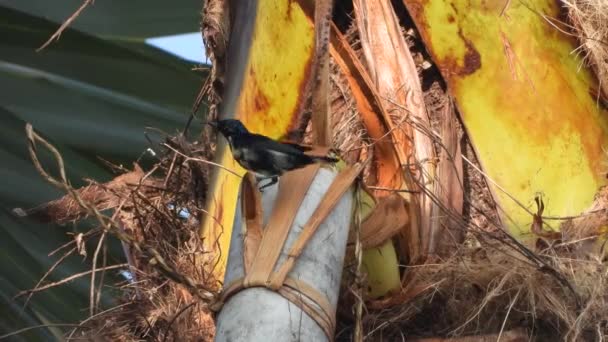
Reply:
x=302, y=148
x=268, y=144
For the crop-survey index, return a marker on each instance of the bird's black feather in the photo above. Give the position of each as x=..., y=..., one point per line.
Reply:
x=262, y=155
x=298, y=146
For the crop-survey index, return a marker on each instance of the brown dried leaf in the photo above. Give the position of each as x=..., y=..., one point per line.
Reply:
x=449, y=189
x=320, y=91
x=371, y=110
x=343, y=181
x=292, y=189
x=387, y=219
x=253, y=215
x=393, y=70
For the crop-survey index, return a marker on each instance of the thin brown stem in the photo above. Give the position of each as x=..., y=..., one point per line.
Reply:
x=68, y=279
x=65, y=24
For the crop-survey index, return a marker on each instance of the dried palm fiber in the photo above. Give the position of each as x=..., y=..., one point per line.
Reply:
x=158, y=209
x=590, y=21
x=488, y=289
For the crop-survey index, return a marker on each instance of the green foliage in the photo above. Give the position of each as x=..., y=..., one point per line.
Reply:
x=90, y=97
x=132, y=19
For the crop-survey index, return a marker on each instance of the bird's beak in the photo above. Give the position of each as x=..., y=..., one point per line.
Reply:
x=212, y=124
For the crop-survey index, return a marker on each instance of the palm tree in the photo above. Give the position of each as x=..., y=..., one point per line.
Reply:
x=483, y=67
x=468, y=113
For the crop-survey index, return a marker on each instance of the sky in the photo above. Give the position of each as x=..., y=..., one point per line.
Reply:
x=188, y=46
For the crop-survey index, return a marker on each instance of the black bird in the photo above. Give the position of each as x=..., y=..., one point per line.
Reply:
x=265, y=157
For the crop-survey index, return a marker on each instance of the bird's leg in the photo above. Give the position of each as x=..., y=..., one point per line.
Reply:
x=273, y=180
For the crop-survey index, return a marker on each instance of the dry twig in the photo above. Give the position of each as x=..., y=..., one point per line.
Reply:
x=65, y=24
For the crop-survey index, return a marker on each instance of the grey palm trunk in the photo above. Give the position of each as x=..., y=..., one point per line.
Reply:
x=259, y=314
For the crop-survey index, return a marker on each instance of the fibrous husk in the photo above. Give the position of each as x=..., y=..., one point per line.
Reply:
x=103, y=196
x=215, y=29
x=489, y=289
x=590, y=20
x=159, y=210
x=589, y=230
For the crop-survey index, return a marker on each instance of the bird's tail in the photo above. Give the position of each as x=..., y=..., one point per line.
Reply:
x=320, y=159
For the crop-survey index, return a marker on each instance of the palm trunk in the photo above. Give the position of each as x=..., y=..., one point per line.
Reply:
x=260, y=314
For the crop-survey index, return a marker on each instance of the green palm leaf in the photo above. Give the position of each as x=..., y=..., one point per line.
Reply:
x=133, y=19
x=90, y=97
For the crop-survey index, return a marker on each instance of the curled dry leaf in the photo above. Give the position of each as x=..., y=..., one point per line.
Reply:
x=387, y=219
